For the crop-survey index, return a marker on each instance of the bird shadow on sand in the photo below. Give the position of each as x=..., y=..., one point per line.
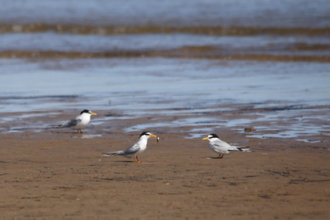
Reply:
x=214, y=158
x=124, y=161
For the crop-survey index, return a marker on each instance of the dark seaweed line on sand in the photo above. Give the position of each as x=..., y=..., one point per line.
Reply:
x=184, y=54
x=206, y=30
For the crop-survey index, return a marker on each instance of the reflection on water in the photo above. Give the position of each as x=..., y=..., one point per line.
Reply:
x=271, y=124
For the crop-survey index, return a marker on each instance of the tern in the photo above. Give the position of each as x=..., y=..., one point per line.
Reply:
x=80, y=122
x=222, y=147
x=135, y=149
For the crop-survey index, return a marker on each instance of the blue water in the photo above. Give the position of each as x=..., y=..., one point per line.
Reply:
x=269, y=13
x=144, y=84
x=202, y=90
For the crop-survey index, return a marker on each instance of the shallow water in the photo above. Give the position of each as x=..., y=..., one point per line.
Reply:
x=185, y=12
x=147, y=84
x=295, y=30
x=203, y=44
x=195, y=88
x=265, y=61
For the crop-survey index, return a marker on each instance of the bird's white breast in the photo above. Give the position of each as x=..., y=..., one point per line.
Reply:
x=85, y=119
x=143, y=144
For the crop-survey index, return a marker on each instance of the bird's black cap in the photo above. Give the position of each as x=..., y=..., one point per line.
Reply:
x=85, y=111
x=213, y=136
x=147, y=133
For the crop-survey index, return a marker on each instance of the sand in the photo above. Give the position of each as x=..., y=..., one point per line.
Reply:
x=57, y=174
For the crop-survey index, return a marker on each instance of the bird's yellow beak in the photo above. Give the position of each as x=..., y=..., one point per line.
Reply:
x=207, y=138
x=93, y=113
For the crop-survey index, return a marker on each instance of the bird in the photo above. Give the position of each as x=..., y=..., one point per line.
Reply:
x=222, y=147
x=135, y=149
x=80, y=122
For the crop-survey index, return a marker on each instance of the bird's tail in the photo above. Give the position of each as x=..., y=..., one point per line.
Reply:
x=53, y=126
x=113, y=153
x=244, y=149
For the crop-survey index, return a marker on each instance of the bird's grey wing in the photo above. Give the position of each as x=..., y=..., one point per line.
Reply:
x=221, y=145
x=72, y=122
x=132, y=150
x=129, y=151
x=226, y=146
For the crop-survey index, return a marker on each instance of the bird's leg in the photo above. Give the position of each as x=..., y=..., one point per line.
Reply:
x=137, y=160
x=79, y=131
x=220, y=156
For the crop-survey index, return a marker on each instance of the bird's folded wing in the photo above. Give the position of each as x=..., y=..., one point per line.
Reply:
x=219, y=145
x=222, y=144
x=132, y=150
x=72, y=123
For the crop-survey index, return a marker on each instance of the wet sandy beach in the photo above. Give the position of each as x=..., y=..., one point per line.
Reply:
x=59, y=174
